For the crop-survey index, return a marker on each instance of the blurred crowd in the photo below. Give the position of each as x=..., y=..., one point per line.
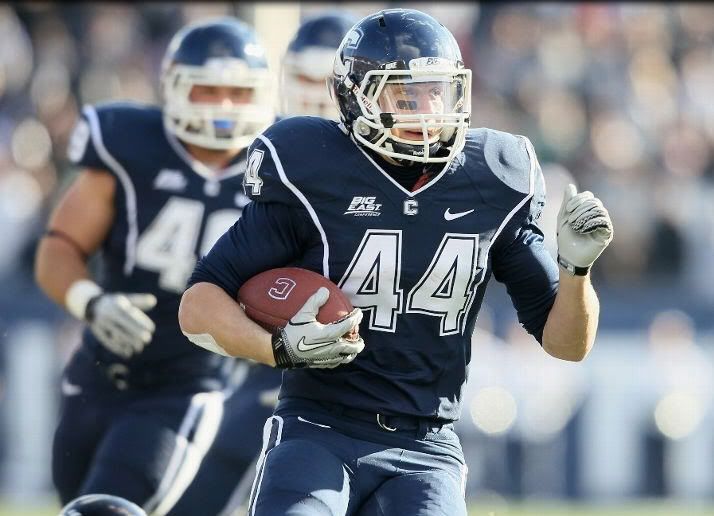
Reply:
x=615, y=95
x=618, y=96
x=54, y=59
x=633, y=419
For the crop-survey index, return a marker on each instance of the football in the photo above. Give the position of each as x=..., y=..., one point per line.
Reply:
x=272, y=297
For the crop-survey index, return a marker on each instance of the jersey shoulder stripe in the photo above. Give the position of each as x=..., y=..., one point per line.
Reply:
x=112, y=164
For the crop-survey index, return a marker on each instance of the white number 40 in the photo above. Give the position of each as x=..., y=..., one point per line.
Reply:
x=445, y=290
x=168, y=245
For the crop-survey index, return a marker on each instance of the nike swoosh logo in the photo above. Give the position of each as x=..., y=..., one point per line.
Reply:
x=301, y=346
x=300, y=418
x=451, y=216
x=70, y=389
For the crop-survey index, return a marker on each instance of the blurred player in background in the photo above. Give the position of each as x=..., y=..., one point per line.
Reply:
x=226, y=474
x=410, y=212
x=307, y=64
x=140, y=403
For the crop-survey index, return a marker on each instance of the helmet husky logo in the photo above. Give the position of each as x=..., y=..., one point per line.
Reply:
x=353, y=37
x=221, y=52
x=401, y=87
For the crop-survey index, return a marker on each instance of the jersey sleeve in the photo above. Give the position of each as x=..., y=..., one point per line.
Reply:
x=86, y=137
x=267, y=235
x=278, y=169
x=265, y=179
x=276, y=228
x=522, y=263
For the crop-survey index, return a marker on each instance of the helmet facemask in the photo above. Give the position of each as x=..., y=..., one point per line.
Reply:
x=413, y=114
x=216, y=126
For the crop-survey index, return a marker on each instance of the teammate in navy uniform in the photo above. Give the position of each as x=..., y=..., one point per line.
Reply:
x=410, y=213
x=223, y=481
x=141, y=404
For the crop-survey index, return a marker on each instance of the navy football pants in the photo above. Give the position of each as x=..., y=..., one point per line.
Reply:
x=142, y=445
x=316, y=463
x=225, y=476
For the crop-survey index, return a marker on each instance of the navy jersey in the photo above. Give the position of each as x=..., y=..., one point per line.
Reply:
x=169, y=210
x=417, y=263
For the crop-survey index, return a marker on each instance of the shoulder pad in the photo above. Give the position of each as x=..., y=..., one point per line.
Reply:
x=505, y=167
x=299, y=129
x=109, y=132
x=282, y=163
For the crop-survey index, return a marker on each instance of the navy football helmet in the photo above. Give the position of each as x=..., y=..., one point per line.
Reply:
x=101, y=505
x=219, y=52
x=307, y=64
x=401, y=87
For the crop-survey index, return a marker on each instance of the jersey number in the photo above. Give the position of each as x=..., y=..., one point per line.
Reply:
x=168, y=245
x=250, y=178
x=445, y=290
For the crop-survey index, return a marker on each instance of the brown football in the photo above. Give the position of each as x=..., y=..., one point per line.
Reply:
x=272, y=297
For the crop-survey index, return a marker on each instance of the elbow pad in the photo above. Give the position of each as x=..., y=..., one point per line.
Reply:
x=206, y=341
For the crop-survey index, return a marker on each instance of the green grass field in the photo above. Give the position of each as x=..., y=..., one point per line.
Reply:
x=560, y=509
x=502, y=508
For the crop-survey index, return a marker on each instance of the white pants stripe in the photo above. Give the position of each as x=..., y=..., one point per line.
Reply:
x=203, y=419
x=267, y=448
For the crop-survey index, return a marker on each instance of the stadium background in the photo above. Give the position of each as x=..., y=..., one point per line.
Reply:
x=617, y=97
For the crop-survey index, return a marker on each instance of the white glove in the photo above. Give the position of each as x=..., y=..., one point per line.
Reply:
x=584, y=230
x=119, y=322
x=305, y=342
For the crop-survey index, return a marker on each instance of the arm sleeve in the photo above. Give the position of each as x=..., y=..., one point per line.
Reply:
x=268, y=235
x=530, y=275
x=521, y=262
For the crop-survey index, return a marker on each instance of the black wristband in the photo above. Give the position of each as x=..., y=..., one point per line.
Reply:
x=572, y=269
x=280, y=352
x=89, y=310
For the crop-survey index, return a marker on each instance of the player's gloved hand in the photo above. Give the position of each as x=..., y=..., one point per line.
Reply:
x=116, y=319
x=584, y=230
x=305, y=342
x=119, y=322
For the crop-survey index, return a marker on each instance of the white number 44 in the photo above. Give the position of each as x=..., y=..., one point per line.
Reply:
x=445, y=290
